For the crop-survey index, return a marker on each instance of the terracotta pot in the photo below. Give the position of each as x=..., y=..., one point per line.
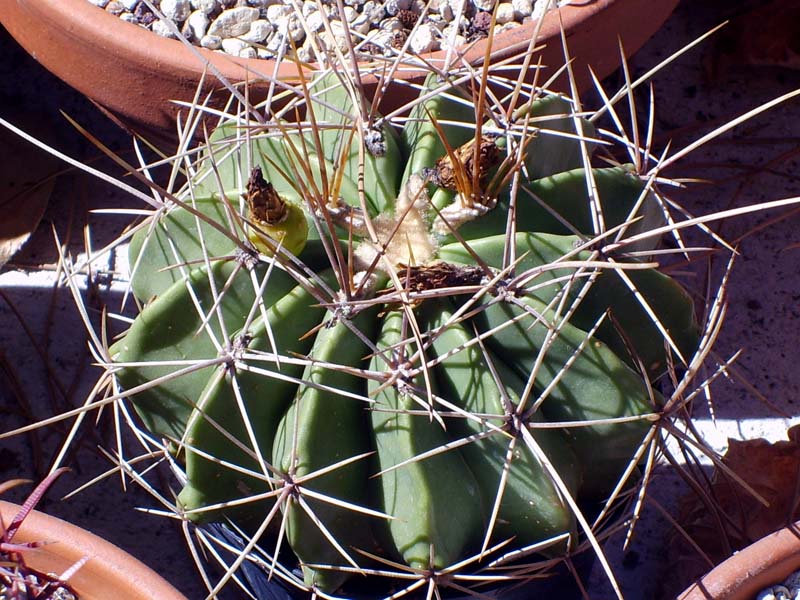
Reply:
x=763, y=564
x=134, y=73
x=110, y=573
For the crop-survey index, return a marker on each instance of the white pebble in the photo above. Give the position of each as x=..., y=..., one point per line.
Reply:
x=100, y=3
x=233, y=22
x=177, y=10
x=260, y=30
x=505, y=13
x=451, y=38
x=291, y=27
x=234, y=46
x=129, y=17
x=437, y=22
x=305, y=53
x=207, y=6
x=349, y=14
x=264, y=53
x=498, y=29
x=212, y=42
x=361, y=24
x=392, y=25
x=522, y=8
x=309, y=7
x=393, y=7
x=278, y=11
x=486, y=5
x=197, y=24
x=446, y=10
x=315, y=22
x=128, y=4
x=374, y=12
x=334, y=37
x=423, y=39
x=162, y=29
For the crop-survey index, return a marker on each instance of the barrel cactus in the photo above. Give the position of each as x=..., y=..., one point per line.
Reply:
x=406, y=348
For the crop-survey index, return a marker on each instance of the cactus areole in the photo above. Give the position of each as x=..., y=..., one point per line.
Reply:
x=401, y=350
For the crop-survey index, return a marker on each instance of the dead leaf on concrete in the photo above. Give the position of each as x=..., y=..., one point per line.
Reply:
x=765, y=33
x=735, y=518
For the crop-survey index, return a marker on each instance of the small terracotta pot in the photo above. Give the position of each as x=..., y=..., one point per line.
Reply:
x=767, y=562
x=109, y=573
x=134, y=73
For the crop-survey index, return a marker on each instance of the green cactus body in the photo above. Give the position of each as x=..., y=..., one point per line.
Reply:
x=260, y=409
x=323, y=426
x=597, y=385
x=172, y=329
x=420, y=495
x=265, y=401
x=532, y=509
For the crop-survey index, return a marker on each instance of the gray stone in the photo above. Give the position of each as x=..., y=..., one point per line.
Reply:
x=424, y=39
x=522, y=8
x=233, y=22
x=260, y=30
x=162, y=29
x=374, y=12
x=197, y=24
x=505, y=13
x=234, y=46
x=212, y=42
x=177, y=10
x=207, y=6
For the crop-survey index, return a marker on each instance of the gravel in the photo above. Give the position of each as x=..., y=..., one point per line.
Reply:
x=788, y=590
x=268, y=28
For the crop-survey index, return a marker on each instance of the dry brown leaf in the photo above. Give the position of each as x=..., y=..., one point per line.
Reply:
x=735, y=518
x=767, y=34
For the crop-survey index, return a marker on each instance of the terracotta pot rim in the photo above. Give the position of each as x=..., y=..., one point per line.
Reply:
x=135, y=74
x=113, y=567
x=760, y=565
x=181, y=59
